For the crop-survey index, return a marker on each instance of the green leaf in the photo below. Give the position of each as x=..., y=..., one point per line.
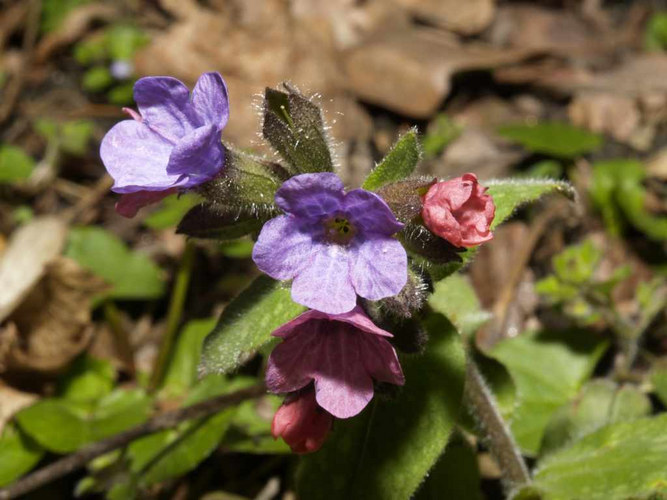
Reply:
x=123, y=41
x=655, y=36
x=76, y=136
x=171, y=210
x=213, y=221
x=246, y=324
x=251, y=428
x=182, y=370
x=18, y=454
x=294, y=126
x=15, y=164
x=88, y=379
x=174, y=452
x=441, y=132
x=54, y=12
x=399, y=163
x=618, y=192
x=64, y=426
x=96, y=79
x=548, y=369
x=132, y=274
x=620, y=461
x=599, y=403
x=659, y=381
x=122, y=95
x=457, y=300
x=577, y=263
x=455, y=476
x=510, y=194
x=237, y=249
x=387, y=450
x=555, y=139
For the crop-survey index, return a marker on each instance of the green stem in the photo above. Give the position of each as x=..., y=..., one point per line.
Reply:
x=484, y=409
x=174, y=314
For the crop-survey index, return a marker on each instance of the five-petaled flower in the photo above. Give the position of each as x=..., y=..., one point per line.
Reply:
x=460, y=211
x=301, y=422
x=342, y=354
x=174, y=142
x=334, y=245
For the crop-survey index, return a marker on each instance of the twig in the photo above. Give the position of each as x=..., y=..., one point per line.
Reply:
x=165, y=421
x=499, y=438
x=174, y=314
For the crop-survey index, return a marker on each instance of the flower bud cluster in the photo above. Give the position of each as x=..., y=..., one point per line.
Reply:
x=346, y=252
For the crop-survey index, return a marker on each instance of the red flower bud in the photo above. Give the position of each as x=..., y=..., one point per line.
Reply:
x=460, y=211
x=301, y=423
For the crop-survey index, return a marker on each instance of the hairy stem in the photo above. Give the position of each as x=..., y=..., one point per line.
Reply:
x=483, y=407
x=174, y=314
x=161, y=422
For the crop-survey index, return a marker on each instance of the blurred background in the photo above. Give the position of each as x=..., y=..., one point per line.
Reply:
x=572, y=89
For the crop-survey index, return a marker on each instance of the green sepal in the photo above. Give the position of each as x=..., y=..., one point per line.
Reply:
x=294, y=126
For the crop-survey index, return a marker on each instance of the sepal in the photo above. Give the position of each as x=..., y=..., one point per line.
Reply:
x=215, y=221
x=294, y=126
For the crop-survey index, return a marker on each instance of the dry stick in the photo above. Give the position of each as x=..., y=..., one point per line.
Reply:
x=161, y=422
x=498, y=436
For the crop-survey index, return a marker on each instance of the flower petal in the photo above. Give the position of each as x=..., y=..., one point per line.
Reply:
x=136, y=157
x=292, y=362
x=199, y=155
x=283, y=247
x=357, y=318
x=378, y=267
x=381, y=361
x=323, y=282
x=370, y=212
x=164, y=104
x=129, y=204
x=311, y=195
x=210, y=101
x=342, y=385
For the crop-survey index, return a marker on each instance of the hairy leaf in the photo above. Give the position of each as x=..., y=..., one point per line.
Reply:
x=213, y=221
x=457, y=300
x=246, y=325
x=293, y=125
x=399, y=163
x=387, y=450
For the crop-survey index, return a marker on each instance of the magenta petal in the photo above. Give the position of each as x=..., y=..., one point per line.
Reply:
x=311, y=195
x=381, y=361
x=210, y=101
x=136, y=157
x=129, y=204
x=164, y=104
x=378, y=267
x=199, y=155
x=282, y=250
x=292, y=362
x=323, y=283
x=342, y=385
x=371, y=213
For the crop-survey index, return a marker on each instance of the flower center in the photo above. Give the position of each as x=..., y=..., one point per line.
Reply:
x=338, y=229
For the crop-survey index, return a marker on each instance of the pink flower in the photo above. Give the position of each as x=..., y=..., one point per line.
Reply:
x=302, y=424
x=459, y=211
x=341, y=353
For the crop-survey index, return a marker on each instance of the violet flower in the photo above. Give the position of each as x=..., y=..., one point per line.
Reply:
x=342, y=355
x=334, y=245
x=173, y=142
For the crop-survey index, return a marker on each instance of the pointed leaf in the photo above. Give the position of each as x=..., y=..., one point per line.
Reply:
x=294, y=126
x=399, y=163
x=387, y=450
x=246, y=324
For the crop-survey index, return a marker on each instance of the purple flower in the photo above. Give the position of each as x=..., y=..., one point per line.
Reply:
x=341, y=354
x=174, y=141
x=332, y=244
